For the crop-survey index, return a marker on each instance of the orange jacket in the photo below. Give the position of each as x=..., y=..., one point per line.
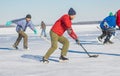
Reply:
x=63, y=24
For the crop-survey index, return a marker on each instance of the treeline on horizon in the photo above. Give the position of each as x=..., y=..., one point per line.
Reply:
x=86, y=22
x=75, y=23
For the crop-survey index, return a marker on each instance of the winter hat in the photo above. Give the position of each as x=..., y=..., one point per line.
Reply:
x=71, y=11
x=110, y=14
x=28, y=16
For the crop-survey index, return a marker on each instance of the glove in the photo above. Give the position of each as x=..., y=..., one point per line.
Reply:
x=35, y=31
x=8, y=23
x=77, y=41
x=106, y=25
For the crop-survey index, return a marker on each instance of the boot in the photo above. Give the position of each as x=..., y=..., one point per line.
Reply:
x=63, y=58
x=105, y=42
x=26, y=48
x=100, y=39
x=45, y=60
x=110, y=42
x=15, y=47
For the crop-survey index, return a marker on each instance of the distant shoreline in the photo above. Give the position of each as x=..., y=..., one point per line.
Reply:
x=75, y=23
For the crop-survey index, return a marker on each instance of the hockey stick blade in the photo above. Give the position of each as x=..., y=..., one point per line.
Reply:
x=93, y=56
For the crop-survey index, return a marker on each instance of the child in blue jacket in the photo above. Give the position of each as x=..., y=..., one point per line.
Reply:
x=108, y=28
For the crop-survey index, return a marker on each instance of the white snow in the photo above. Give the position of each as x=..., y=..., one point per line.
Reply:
x=27, y=63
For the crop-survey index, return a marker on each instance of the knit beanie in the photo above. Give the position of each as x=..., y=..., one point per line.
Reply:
x=110, y=14
x=71, y=11
x=28, y=16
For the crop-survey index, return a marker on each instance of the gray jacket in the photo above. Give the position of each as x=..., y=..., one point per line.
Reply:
x=22, y=24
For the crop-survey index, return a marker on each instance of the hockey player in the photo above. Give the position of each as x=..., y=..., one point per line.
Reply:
x=118, y=18
x=108, y=28
x=61, y=25
x=22, y=25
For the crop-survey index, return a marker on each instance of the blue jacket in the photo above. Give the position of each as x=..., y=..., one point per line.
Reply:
x=22, y=24
x=111, y=21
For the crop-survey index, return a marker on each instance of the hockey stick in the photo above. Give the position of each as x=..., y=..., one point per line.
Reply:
x=95, y=56
x=87, y=52
x=79, y=44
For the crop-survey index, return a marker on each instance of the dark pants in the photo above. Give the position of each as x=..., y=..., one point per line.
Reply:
x=22, y=34
x=104, y=33
x=109, y=33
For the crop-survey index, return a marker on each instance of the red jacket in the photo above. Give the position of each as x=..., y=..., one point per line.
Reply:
x=63, y=24
x=118, y=18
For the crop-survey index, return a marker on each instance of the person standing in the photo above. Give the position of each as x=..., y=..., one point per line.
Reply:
x=118, y=18
x=43, y=27
x=108, y=28
x=22, y=25
x=56, y=33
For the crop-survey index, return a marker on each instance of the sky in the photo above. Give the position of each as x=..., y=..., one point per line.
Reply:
x=51, y=10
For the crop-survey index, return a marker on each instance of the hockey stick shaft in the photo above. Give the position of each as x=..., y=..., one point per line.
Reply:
x=85, y=50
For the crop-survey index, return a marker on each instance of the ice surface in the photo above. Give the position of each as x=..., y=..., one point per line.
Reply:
x=27, y=63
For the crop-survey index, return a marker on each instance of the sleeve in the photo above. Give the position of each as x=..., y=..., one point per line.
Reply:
x=73, y=35
x=17, y=20
x=102, y=24
x=31, y=26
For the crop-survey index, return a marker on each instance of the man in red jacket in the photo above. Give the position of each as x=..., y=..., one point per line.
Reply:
x=118, y=18
x=63, y=24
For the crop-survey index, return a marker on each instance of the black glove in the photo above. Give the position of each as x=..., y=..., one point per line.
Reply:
x=77, y=41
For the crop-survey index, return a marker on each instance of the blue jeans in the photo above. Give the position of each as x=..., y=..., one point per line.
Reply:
x=43, y=32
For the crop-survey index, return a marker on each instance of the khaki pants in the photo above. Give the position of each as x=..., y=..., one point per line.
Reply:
x=54, y=43
x=21, y=35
